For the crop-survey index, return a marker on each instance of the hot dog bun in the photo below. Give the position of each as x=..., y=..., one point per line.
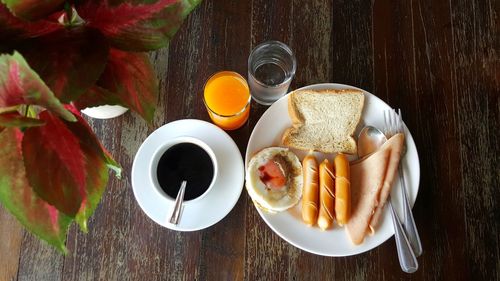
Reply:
x=342, y=189
x=326, y=195
x=310, y=193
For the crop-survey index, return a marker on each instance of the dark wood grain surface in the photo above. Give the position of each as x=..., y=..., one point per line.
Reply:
x=436, y=60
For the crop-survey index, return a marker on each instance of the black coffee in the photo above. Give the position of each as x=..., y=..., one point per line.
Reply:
x=189, y=162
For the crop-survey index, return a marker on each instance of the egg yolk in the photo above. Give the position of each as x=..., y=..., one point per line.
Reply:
x=272, y=175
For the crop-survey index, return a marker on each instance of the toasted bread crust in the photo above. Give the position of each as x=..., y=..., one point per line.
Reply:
x=294, y=114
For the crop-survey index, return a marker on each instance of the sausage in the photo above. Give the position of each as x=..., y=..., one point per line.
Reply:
x=326, y=195
x=310, y=193
x=342, y=189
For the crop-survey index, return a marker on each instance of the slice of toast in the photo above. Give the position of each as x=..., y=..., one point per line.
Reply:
x=324, y=120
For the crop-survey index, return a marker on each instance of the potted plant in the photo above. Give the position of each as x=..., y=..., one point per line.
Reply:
x=57, y=57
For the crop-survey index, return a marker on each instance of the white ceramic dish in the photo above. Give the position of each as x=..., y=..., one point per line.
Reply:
x=288, y=224
x=104, y=111
x=216, y=203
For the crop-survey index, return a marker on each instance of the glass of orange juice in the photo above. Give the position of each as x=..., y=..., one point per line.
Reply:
x=227, y=98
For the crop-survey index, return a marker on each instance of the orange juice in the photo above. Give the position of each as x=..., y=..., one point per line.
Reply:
x=227, y=98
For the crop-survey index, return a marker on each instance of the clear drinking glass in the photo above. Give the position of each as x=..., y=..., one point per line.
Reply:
x=271, y=67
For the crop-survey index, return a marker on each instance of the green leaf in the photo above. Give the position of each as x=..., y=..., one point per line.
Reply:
x=17, y=196
x=33, y=9
x=130, y=79
x=70, y=61
x=14, y=119
x=19, y=84
x=139, y=25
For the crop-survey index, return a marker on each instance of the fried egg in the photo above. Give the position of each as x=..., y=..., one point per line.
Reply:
x=274, y=179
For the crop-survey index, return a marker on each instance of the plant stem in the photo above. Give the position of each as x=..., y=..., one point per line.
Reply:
x=67, y=9
x=9, y=109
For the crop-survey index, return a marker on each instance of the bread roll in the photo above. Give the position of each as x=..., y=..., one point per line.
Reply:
x=326, y=195
x=342, y=189
x=310, y=193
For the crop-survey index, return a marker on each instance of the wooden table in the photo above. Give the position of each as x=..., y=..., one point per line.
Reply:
x=436, y=60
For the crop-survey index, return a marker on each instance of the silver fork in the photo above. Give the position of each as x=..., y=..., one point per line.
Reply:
x=394, y=124
x=406, y=256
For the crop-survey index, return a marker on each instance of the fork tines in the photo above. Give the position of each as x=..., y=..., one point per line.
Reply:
x=393, y=122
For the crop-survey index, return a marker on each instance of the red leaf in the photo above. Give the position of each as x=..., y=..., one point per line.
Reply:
x=97, y=162
x=131, y=79
x=19, y=84
x=12, y=28
x=140, y=25
x=17, y=196
x=56, y=164
x=97, y=96
x=112, y=164
x=33, y=9
x=77, y=165
x=70, y=61
x=14, y=119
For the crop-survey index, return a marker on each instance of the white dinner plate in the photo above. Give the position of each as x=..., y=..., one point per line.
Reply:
x=219, y=200
x=288, y=224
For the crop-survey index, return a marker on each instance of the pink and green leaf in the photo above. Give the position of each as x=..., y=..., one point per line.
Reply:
x=69, y=61
x=139, y=25
x=14, y=29
x=96, y=166
x=56, y=164
x=33, y=9
x=77, y=161
x=17, y=196
x=14, y=119
x=112, y=164
x=96, y=96
x=19, y=84
x=110, y=161
x=130, y=78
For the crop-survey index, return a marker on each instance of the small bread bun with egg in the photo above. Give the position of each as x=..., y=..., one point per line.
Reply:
x=274, y=179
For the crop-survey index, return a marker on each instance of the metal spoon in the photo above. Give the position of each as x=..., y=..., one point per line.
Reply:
x=369, y=140
x=176, y=213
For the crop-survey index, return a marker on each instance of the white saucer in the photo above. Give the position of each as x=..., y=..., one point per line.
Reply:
x=217, y=203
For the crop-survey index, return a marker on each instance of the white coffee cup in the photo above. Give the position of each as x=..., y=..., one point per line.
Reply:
x=153, y=166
